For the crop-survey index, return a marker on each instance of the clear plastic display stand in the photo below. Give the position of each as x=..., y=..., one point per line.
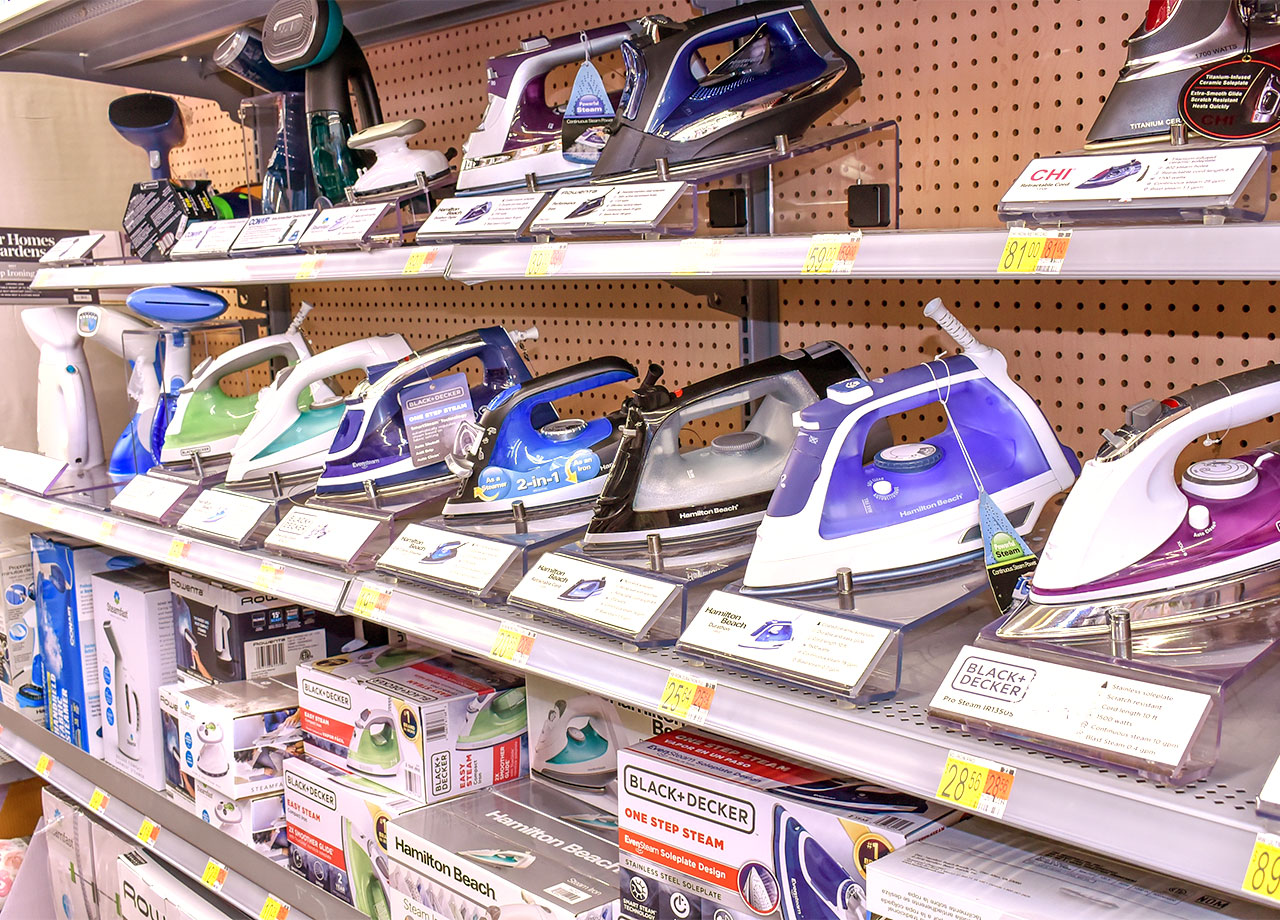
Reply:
x=849, y=644
x=349, y=539
x=155, y=499
x=595, y=210
x=231, y=518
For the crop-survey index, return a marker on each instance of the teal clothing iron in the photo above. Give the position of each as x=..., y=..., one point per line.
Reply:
x=494, y=719
x=578, y=745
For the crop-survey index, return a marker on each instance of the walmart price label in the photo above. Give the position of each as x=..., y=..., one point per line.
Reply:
x=44, y=764
x=148, y=832
x=273, y=909
x=268, y=577
x=1262, y=875
x=513, y=644
x=1040, y=252
x=599, y=595
x=214, y=875
x=687, y=697
x=421, y=259
x=372, y=602
x=98, y=801
x=976, y=784
x=224, y=515
x=546, y=259
x=697, y=256
x=323, y=534
x=463, y=561
x=831, y=253
x=150, y=497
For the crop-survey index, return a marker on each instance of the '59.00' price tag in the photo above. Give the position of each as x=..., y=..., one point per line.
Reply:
x=513, y=643
x=831, y=253
x=1038, y=252
x=687, y=697
x=979, y=785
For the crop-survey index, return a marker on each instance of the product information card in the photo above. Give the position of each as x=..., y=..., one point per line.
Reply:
x=323, y=534
x=1122, y=177
x=207, y=239
x=150, y=497
x=226, y=516
x=599, y=595
x=336, y=228
x=817, y=649
x=32, y=472
x=613, y=207
x=468, y=563
x=1109, y=714
x=495, y=216
x=272, y=233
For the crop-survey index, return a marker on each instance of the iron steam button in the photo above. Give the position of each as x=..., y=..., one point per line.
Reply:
x=737, y=442
x=908, y=458
x=1141, y=416
x=565, y=429
x=1220, y=479
x=1198, y=518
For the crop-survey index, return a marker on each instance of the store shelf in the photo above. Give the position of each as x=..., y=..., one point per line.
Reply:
x=184, y=841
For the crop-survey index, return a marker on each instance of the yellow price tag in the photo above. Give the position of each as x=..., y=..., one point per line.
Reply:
x=696, y=257
x=422, y=257
x=372, y=602
x=214, y=875
x=545, y=259
x=979, y=785
x=1262, y=877
x=831, y=253
x=687, y=697
x=513, y=643
x=98, y=801
x=309, y=268
x=6, y=499
x=44, y=764
x=106, y=529
x=178, y=549
x=268, y=576
x=148, y=832
x=273, y=909
x=1041, y=252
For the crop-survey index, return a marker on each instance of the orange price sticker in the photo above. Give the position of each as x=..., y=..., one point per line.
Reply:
x=268, y=577
x=106, y=529
x=513, y=643
x=178, y=550
x=1039, y=252
x=687, y=697
x=44, y=764
x=831, y=253
x=214, y=875
x=372, y=602
x=545, y=259
x=98, y=801
x=419, y=260
x=309, y=268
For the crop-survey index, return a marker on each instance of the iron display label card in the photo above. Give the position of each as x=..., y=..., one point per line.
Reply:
x=207, y=239
x=323, y=534
x=336, y=228
x=480, y=217
x=456, y=560
x=30, y=471
x=228, y=516
x=592, y=594
x=273, y=233
x=150, y=497
x=609, y=207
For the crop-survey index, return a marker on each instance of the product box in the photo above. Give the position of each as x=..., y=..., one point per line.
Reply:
x=554, y=801
x=234, y=737
x=64, y=624
x=27, y=699
x=337, y=828
x=575, y=737
x=981, y=871
x=69, y=835
x=709, y=828
x=256, y=822
x=18, y=642
x=149, y=891
x=176, y=782
x=426, y=727
x=108, y=846
x=133, y=623
x=499, y=868
x=158, y=212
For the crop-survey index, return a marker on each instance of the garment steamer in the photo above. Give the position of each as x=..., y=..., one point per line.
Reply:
x=786, y=72
x=212, y=759
x=283, y=439
x=67, y=426
x=206, y=421
x=894, y=514
x=375, y=748
x=223, y=663
x=151, y=121
x=815, y=886
x=512, y=454
x=398, y=172
x=309, y=35
x=370, y=449
x=128, y=714
x=579, y=742
x=494, y=719
x=1202, y=551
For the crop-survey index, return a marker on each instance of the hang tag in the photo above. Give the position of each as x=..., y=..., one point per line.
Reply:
x=587, y=117
x=1008, y=559
x=433, y=411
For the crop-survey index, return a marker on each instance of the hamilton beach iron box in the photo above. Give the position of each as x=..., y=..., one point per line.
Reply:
x=712, y=829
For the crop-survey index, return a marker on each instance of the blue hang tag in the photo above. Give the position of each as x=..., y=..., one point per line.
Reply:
x=433, y=410
x=587, y=117
x=1008, y=559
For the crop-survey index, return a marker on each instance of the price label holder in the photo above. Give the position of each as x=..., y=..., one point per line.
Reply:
x=513, y=644
x=214, y=875
x=345, y=227
x=327, y=536
x=98, y=801
x=420, y=260
x=151, y=498
x=29, y=471
x=228, y=517
x=979, y=785
x=372, y=602
x=637, y=208
x=493, y=217
x=273, y=909
x=1038, y=252
x=273, y=233
x=687, y=697
x=148, y=833
x=832, y=253
x=697, y=256
x=207, y=239
x=545, y=259
x=453, y=559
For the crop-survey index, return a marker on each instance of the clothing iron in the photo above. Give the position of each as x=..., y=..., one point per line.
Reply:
x=398, y=172
x=1131, y=537
x=722, y=488
x=786, y=72
x=578, y=745
x=815, y=886
x=501, y=859
x=67, y=426
x=520, y=133
x=283, y=439
x=892, y=514
x=1177, y=40
x=370, y=450
x=206, y=421
x=851, y=793
x=494, y=719
x=519, y=451
x=368, y=873
x=375, y=747
x=769, y=634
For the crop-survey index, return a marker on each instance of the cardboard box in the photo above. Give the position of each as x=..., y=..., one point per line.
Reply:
x=555, y=802
x=149, y=891
x=707, y=826
x=69, y=835
x=64, y=624
x=426, y=727
x=235, y=736
x=981, y=871
x=337, y=829
x=257, y=821
x=108, y=846
x=133, y=623
x=18, y=642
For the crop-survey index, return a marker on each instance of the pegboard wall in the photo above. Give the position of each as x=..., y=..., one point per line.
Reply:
x=977, y=88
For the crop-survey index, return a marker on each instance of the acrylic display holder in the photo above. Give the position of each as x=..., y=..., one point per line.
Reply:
x=350, y=539
x=850, y=643
x=231, y=518
x=614, y=210
x=155, y=499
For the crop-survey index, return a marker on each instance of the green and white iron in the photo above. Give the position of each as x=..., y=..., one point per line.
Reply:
x=375, y=747
x=207, y=422
x=366, y=871
x=494, y=719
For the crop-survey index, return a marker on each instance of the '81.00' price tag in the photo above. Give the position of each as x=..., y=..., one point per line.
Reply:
x=687, y=697
x=1038, y=252
x=979, y=785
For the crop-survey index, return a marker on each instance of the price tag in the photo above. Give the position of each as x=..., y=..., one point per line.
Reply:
x=372, y=602
x=268, y=576
x=106, y=530
x=44, y=764
x=98, y=801
x=214, y=875
x=309, y=268
x=273, y=909
x=545, y=259
x=422, y=257
x=979, y=785
x=148, y=832
x=831, y=253
x=6, y=499
x=513, y=643
x=687, y=697
x=178, y=550
x=1040, y=252
x=696, y=257
x=1262, y=876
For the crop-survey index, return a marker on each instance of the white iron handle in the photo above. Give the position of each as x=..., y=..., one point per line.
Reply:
x=954, y=328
